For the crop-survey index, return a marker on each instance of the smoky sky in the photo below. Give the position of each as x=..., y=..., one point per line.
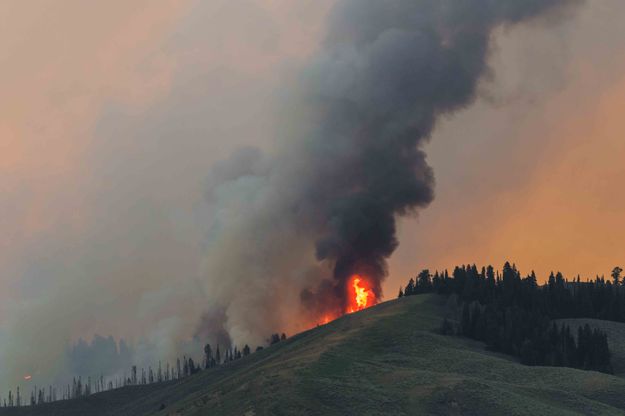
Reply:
x=352, y=162
x=114, y=114
x=142, y=222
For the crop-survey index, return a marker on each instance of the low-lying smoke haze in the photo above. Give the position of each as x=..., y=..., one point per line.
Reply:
x=216, y=170
x=112, y=117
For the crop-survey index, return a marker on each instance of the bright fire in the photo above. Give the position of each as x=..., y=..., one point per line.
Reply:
x=326, y=319
x=359, y=294
x=27, y=377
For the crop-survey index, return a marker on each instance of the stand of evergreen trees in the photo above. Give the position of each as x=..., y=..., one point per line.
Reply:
x=514, y=315
x=184, y=367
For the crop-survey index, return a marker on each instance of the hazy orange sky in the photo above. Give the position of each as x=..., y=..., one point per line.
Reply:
x=113, y=113
x=111, y=116
x=534, y=174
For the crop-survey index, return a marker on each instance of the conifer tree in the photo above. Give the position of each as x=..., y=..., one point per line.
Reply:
x=616, y=275
x=208, y=355
x=465, y=324
x=410, y=288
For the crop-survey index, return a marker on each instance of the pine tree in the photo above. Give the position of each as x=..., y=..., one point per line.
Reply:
x=424, y=282
x=208, y=356
x=616, y=275
x=465, y=323
x=410, y=288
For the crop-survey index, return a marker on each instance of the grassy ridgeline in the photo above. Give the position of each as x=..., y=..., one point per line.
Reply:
x=387, y=360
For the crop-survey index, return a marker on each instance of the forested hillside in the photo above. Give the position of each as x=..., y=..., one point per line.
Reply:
x=515, y=315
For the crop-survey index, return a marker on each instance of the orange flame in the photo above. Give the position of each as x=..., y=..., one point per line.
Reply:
x=326, y=319
x=360, y=294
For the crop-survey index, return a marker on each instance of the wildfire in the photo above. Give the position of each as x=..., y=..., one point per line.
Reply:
x=27, y=377
x=360, y=294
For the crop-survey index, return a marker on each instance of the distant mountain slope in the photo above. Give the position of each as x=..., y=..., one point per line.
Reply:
x=386, y=360
x=616, y=339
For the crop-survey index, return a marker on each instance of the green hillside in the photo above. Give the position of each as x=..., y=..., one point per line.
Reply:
x=387, y=360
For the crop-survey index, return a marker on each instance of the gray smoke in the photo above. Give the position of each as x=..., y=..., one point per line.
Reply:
x=350, y=161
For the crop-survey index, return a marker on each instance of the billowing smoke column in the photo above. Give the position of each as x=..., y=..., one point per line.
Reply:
x=351, y=158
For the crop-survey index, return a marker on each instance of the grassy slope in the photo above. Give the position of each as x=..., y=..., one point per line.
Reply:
x=616, y=339
x=387, y=360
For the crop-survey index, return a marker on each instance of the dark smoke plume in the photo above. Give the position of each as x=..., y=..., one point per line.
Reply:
x=352, y=161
